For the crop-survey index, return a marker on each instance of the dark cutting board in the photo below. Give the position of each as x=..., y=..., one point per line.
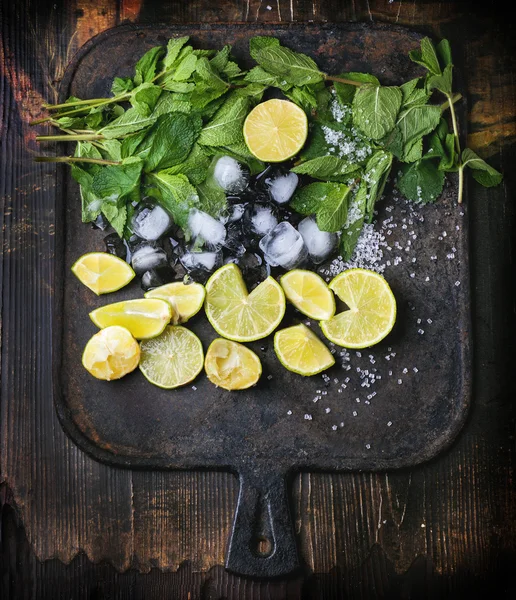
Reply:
x=392, y=406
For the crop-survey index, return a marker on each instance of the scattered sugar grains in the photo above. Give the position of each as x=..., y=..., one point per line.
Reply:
x=389, y=243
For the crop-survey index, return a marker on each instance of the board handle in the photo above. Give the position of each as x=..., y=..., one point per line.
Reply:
x=262, y=541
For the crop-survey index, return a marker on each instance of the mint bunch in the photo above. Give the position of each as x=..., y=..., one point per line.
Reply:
x=159, y=132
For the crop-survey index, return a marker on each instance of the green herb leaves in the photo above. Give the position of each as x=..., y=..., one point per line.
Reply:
x=375, y=109
x=161, y=129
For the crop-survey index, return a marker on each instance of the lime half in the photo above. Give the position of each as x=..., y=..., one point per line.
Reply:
x=372, y=309
x=172, y=359
x=275, y=130
x=237, y=315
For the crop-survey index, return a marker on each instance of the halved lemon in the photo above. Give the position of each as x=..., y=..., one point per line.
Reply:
x=111, y=353
x=143, y=317
x=237, y=315
x=275, y=130
x=309, y=293
x=102, y=272
x=231, y=365
x=186, y=300
x=172, y=359
x=372, y=309
x=301, y=351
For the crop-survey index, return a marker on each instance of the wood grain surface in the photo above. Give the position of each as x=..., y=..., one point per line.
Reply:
x=73, y=528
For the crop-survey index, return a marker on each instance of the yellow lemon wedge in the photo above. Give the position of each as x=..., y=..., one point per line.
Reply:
x=309, y=293
x=186, y=299
x=143, y=317
x=102, y=272
x=301, y=351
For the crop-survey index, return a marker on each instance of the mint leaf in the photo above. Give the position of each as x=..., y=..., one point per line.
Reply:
x=332, y=213
x=414, y=94
x=116, y=215
x=174, y=47
x=177, y=195
x=376, y=173
x=169, y=102
x=114, y=182
x=195, y=166
x=144, y=98
x=354, y=222
x=185, y=68
x=221, y=58
x=208, y=73
x=441, y=144
x=443, y=82
x=304, y=96
x=375, y=109
x=417, y=121
x=260, y=75
x=171, y=140
x=212, y=198
x=307, y=200
x=145, y=69
x=293, y=67
x=482, y=172
x=346, y=91
x=421, y=181
x=131, y=121
x=326, y=168
x=226, y=126
x=121, y=85
x=443, y=51
x=426, y=56
x=91, y=203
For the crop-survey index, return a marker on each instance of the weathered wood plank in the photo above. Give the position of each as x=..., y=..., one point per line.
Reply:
x=358, y=532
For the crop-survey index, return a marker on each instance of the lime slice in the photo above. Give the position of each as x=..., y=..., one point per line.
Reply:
x=372, y=309
x=301, y=351
x=172, y=359
x=111, y=353
x=143, y=317
x=231, y=365
x=237, y=315
x=275, y=130
x=102, y=272
x=309, y=293
x=185, y=300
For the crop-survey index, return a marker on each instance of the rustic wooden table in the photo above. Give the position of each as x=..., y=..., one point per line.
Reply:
x=74, y=528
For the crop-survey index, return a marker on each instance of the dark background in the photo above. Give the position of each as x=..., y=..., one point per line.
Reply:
x=73, y=528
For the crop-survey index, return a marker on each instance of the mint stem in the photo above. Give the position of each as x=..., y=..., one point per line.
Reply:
x=92, y=104
x=451, y=100
x=85, y=137
x=74, y=159
x=342, y=80
x=457, y=147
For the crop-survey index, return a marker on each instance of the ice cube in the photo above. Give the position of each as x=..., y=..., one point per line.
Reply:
x=203, y=225
x=230, y=175
x=118, y=246
x=320, y=244
x=261, y=219
x=284, y=247
x=148, y=256
x=204, y=261
x=236, y=212
x=150, y=222
x=156, y=277
x=234, y=242
x=282, y=187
